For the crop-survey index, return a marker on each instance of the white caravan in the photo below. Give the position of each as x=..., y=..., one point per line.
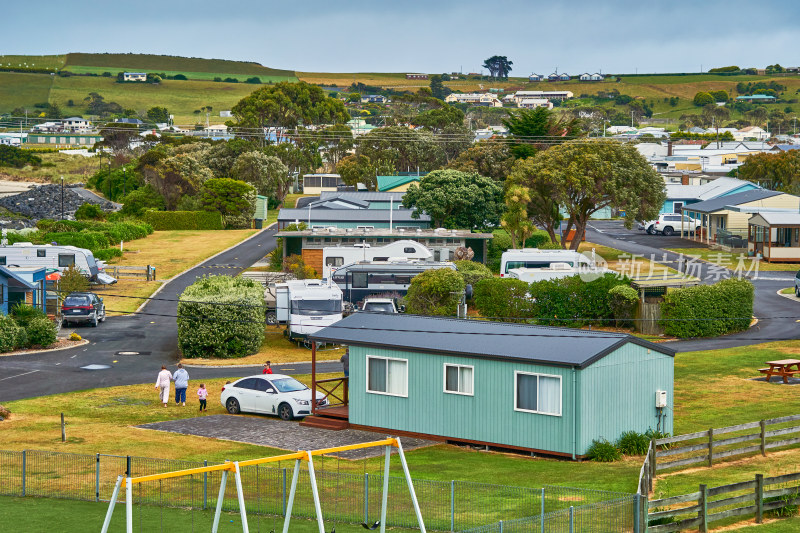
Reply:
x=304, y=305
x=558, y=270
x=336, y=256
x=534, y=258
x=26, y=254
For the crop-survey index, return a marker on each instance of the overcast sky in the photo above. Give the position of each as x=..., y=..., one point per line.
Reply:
x=616, y=36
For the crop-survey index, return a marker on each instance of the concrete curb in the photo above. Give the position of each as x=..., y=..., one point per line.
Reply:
x=788, y=296
x=179, y=274
x=82, y=342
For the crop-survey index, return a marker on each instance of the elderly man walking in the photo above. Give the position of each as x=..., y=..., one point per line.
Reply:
x=181, y=379
x=162, y=383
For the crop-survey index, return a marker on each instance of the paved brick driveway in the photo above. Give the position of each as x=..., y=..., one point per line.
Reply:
x=275, y=433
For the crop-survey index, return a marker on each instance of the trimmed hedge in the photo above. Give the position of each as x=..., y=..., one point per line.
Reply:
x=573, y=302
x=708, y=310
x=106, y=254
x=502, y=298
x=183, y=220
x=228, y=321
x=93, y=240
x=9, y=333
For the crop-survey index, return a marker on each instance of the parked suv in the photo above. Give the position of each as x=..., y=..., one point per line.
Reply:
x=669, y=224
x=83, y=307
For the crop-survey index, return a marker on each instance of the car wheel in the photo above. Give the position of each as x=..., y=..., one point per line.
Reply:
x=232, y=406
x=285, y=411
x=272, y=318
x=650, y=230
x=668, y=231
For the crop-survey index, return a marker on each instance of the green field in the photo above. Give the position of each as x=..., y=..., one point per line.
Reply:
x=160, y=63
x=23, y=90
x=208, y=76
x=48, y=62
x=182, y=98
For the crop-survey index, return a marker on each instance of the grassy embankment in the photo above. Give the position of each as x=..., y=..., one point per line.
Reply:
x=171, y=252
x=75, y=169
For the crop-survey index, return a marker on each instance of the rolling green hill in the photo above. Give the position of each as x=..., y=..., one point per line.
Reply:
x=48, y=62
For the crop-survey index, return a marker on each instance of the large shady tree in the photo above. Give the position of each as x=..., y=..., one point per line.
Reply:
x=585, y=176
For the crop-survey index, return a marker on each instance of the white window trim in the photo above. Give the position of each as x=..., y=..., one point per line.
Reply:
x=366, y=378
x=444, y=379
x=538, y=374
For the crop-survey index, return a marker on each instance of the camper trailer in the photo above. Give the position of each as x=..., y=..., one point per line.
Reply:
x=305, y=306
x=533, y=258
x=336, y=256
x=26, y=254
x=370, y=278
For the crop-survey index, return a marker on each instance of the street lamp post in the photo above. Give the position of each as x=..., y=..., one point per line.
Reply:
x=62, y=197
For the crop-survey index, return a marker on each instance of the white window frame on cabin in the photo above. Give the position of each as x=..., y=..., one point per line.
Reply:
x=460, y=384
x=538, y=375
x=404, y=393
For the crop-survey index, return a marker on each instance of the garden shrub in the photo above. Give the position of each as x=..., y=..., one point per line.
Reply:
x=41, y=332
x=72, y=280
x=473, y=272
x=573, y=302
x=539, y=239
x=708, y=310
x=633, y=443
x=221, y=317
x=4, y=413
x=183, y=220
x=603, y=451
x=623, y=300
x=296, y=265
x=502, y=298
x=93, y=240
x=435, y=292
x=501, y=241
x=107, y=254
x=9, y=333
x=234, y=199
x=89, y=211
x=135, y=203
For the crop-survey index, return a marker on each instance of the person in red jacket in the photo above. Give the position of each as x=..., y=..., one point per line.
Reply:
x=267, y=369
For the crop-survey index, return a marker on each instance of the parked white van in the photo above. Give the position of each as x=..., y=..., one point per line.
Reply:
x=532, y=258
x=26, y=254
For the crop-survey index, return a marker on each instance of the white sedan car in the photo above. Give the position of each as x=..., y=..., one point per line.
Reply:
x=274, y=394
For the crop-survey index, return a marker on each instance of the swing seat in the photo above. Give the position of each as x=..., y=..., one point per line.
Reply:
x=373, y=527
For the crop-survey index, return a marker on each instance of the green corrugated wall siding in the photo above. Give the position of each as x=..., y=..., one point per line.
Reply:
x=618, y=393
x=488, y=416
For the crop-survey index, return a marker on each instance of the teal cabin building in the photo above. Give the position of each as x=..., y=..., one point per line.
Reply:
x=530, y=388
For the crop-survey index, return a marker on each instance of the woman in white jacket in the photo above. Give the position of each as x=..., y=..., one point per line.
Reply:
x=162, y=382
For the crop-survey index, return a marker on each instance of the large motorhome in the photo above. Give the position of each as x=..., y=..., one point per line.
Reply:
x=335, y=256
x=305, y=306
x=26, y=254
x=370, y=278
x=532, y=258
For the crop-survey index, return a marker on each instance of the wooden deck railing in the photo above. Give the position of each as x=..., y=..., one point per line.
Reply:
x=707, y=446
x=331, y=388
x=664, y=517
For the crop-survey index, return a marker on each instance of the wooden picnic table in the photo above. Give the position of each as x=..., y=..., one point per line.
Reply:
x=785, y=368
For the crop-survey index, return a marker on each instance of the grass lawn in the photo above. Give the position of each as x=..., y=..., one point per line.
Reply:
x=75, y=169
x=622, y=262
x=787, y=290
x=23, y=90
x=276, y=348
x=171, y=252
x=160, y=63
x=731, y=261
x=291, y=200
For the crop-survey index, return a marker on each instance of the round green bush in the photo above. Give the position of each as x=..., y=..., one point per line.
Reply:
x=435, y=292
x=9, y=333
x=41, y=332
x=89, y=211
x=603, y=451
x=623, y=300
x=473, y=272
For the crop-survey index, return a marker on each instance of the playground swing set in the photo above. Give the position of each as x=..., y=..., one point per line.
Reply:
x=127, y=482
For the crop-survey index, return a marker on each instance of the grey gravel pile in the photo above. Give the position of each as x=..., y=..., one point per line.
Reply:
x=45, y=202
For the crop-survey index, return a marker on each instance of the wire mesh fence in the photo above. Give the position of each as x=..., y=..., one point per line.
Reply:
x=345, y=497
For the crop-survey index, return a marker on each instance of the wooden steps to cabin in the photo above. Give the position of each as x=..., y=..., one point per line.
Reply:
x=323, y=422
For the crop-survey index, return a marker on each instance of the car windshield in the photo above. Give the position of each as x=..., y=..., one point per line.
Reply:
x=288, y=385
x=379, y=307
x=72, y=301
x=316, y=307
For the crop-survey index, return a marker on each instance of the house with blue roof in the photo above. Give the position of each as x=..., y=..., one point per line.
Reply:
x=680, y=195
x=14, y=288
x=512, y=386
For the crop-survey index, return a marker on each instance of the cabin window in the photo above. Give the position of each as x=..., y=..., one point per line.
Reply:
x=409, y=250
x=402, y=280
x=2, y=260
x=537, y=393
x=41, y=253
x=360, y=280
x=387, y=376
x=334, y=261
x=458, y=379
x=65, y=260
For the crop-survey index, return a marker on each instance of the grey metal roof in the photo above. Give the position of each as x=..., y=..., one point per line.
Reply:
x=478, y=338
x=335, y=203
x=363, y=196
x=716, y=204
x=780, y=219
x=349, y=215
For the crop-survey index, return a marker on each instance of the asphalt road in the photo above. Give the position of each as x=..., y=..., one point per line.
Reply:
x=778, y=316
x=151, y=335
